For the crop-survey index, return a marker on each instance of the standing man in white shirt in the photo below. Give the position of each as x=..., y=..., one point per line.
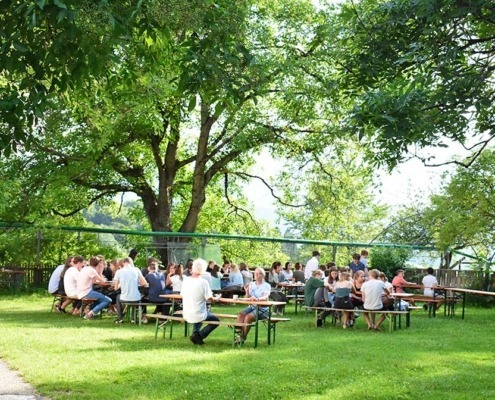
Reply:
x=312, y=265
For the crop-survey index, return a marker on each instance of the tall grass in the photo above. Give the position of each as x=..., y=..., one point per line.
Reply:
x=67, y=357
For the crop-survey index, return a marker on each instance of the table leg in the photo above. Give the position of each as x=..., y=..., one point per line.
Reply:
x=394, y=316
x=269, y=325
x=295, y=301
x=256, y=325
x=463, y=303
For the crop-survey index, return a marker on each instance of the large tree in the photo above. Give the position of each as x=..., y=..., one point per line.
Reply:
x=50, y=46
x=420, y=73
x=177, y=111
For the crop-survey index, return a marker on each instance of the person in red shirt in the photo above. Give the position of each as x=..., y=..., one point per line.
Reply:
x=399, y=282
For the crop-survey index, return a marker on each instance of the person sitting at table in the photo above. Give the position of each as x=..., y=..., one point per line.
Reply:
x=235, y=279
x=187, y=269
x=342, y=296
x=88, y=277
x=70, y=283
x=286, y=273
x=58, y=276
x=357, y=283
x=216, y=278
x=247, y=275
x=54, y=281
x=174, y=278
x=312, y=285
x=388, y=302
x=356, y=299
x=109, y=273
x=356, y=265
x=256, y=290
x=196, y=292
x=128, y=279
x=331, y=280
x=298, y=273
x=371, y=292
x=156, y=282
x=429, y=282
x=399, y=282
x=226, y=267
x=276, y=292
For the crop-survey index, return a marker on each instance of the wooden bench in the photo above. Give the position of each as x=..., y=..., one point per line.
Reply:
x=433, y=304
x=163, y=320
x=131, y=305
x=272, y=326
x=391, y=315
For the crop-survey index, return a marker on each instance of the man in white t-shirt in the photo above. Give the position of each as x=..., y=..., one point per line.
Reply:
x=70, y=283
x=195, y=293
x=128, y=279
x=429, y=282
x=54, y=281
x=372, y=291
x=312, y=265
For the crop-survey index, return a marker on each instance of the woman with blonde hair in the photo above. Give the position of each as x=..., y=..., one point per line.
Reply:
x=256, y=290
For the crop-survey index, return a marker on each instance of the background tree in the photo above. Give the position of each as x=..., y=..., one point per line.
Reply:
x=335, y=198
x=51, y=46
x=463, y=215
x=172, y=117
x=419, y=73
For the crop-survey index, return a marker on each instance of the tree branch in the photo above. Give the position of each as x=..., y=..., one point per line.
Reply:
x=244, y=174
x=236, y=208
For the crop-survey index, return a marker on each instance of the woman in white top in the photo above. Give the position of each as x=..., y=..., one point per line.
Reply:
x=174, y=278
x=286, y=273
x=216, y=278
x=247, y=275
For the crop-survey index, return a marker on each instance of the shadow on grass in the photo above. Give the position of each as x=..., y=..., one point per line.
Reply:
x=96, y=359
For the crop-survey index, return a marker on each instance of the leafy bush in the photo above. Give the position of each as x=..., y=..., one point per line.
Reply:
x=389, y=259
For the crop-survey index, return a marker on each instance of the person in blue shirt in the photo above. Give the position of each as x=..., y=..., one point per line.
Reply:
x=356, y=265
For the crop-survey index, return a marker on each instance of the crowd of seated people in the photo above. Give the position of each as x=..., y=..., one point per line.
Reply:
x=108, y=285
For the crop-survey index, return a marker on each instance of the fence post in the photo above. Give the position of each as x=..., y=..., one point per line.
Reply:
x=38, y=246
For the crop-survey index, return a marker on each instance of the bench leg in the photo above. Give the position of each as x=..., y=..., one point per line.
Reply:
x=156, y=328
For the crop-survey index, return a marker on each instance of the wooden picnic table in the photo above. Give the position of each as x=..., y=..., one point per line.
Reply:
x=464, y=292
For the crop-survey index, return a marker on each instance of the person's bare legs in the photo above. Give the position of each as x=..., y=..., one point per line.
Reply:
x=65, y=303
x=368, y=320
x=246, y=319
x=380, y=320
x=346, y=318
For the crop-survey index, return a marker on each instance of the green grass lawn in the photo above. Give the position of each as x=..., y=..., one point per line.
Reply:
x=66, y=357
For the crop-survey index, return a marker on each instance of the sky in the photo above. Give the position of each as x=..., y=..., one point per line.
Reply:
x=409, y=183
